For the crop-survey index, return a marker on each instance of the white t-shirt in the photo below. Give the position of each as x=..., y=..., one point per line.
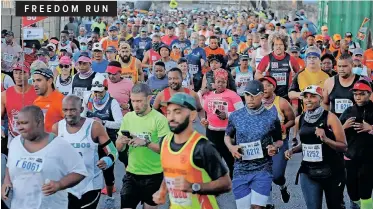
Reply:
x=29, y=171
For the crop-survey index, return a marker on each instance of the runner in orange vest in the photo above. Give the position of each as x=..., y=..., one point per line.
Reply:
x=193, y=169
x=131, y=66
x=112, y=39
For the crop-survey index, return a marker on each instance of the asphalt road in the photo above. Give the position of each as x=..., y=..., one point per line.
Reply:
x=226, y=201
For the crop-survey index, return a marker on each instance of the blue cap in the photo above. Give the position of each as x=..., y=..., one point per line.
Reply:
x=113, y=28
x=111, y=49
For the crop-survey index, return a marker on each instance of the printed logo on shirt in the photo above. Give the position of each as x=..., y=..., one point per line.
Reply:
x=274, y=64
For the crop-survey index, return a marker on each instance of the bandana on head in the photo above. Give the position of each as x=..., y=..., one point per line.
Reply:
x=221, y=73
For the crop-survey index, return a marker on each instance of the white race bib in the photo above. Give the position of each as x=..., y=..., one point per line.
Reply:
x=312, y=152
x=80, y=92
x=280, y=78
x=193, y=69
x=14, y=123
x=177, y=197
x=8, y=57
x=341, y=105
x=252, y=150
x=30, y=163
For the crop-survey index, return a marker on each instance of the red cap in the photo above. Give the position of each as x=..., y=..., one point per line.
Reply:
x=362, y=86
x=113, y=69
x=22, y=66
x=270, y=79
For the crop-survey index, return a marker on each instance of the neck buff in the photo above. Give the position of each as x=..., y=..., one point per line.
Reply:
x=268, y=102
x=99, y=102
x=311, y=116
x=65, y=82
x=113, y=38
x=257, y=111
x=86, y=74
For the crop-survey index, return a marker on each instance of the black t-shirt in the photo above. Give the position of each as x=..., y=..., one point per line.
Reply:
x=205, y=156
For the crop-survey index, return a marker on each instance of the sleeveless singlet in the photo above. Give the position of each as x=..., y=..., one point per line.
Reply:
x=341, y=97
x=167, y=96
x=65, y=89
x=242, y=79
x=88, y=149
x=130, y=72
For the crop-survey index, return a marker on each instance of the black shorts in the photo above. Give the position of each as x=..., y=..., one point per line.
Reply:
x=108, y=173
x=89, y=200
x=139, y=188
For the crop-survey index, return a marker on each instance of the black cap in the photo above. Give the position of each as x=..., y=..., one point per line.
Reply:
x=254, y=87
x=264, y=35
x=348, y=34
x=9, y=33
x=42, y=51
x=294, y=49
x=170, y=26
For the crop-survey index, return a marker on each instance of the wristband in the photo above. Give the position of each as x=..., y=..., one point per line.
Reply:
x=108, y=161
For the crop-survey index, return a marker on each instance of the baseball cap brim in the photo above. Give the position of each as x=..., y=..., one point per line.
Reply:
x=310, y=92
x=185, y=104
x=96, y=88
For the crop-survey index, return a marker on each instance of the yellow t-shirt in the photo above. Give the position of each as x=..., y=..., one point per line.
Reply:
x=306, y=78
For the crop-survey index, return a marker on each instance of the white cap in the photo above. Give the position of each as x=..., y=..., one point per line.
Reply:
x=312, y=89
x=53, y=46
x=99, y=83
x=97, y=46
x=83, y=40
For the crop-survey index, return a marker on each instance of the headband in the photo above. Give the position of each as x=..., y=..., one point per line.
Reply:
x=315, y=54
x=44, y=72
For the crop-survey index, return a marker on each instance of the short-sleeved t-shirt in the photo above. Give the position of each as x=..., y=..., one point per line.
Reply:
x=306, y=78
x=51, y=106
x=227, y=101
x=100, y=67
x=153, y=126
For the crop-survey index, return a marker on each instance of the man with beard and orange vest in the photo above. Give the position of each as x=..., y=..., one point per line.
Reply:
x=201, y=175
x=131, y=66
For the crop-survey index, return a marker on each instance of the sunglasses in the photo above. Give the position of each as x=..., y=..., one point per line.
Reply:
x=97, y=92
x=64, y=66
x=82, y=63
x=98, y=85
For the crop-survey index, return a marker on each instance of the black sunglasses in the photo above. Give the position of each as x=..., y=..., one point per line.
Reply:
x=63, y=66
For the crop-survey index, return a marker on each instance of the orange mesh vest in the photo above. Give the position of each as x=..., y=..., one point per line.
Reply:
x=181, y=163
x=130, y=71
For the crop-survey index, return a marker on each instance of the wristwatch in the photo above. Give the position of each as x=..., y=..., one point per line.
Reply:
x=196, y=188
x=147, y=142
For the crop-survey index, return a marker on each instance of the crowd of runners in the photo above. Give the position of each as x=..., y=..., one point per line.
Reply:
x=129, y=88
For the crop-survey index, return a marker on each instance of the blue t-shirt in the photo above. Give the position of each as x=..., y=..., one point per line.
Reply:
x=194, y=57
x=139, y=46
x=245, y=127
x=100, y=67
x=156, y=84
